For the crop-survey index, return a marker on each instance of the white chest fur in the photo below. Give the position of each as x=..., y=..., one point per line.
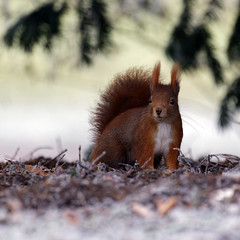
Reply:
x=163, y=138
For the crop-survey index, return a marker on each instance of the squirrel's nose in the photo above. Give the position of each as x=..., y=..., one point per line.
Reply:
x=158, y=111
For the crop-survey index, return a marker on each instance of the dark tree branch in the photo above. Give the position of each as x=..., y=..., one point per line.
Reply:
x=230, y=104
x=41, y=25
x=233, y=50
x=94, y=28
x=188, y=41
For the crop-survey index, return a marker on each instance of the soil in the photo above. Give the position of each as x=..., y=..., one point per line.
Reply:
x=46, y=198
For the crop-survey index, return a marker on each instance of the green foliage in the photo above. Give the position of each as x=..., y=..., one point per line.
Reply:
x=181, y=45
x=213, y=63
x=99, y=9
x=42, y=24
x=230, y=104
x=94, y=28
x=233, y=50
x=188, y=42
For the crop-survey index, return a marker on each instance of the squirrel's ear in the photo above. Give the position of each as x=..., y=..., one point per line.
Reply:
x=175, y=78
x=155, y=76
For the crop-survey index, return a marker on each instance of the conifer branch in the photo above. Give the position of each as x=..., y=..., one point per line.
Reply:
x=230, y=104
x=233, y=50
x=42, y=24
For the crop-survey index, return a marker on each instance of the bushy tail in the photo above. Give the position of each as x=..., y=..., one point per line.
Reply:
x=128, y=90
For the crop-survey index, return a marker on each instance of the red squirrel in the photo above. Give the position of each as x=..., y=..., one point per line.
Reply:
x=138, y=119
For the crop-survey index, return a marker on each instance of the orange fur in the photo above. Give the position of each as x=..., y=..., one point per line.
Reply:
x=122, y=94
x=128, y=127
x=156, y=73
x=175, y=76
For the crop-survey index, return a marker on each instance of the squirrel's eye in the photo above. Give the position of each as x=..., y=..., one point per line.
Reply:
x=150, y=100
x=172, y=101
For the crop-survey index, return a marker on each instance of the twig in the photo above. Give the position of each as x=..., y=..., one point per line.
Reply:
x=30, y=155
x=7, y=158
x=16, y=153
x=179, y=150
x=185, y=161
x=207, y=165
x=58, y=161
x=79, y=154
x=145, y=164
x=98, y=158
x=130, y=171
x=61, y=153
x=83, y=166
x=55, y=159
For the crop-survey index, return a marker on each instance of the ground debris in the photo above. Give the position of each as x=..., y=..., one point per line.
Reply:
x=41, y=183
x=212, y=163
x=86, y=200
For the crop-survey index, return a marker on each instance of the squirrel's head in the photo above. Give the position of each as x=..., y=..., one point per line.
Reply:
x=163, y=102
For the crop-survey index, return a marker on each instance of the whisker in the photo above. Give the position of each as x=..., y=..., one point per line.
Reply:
x=192, y=119
x=190, y=125
x=196, y=103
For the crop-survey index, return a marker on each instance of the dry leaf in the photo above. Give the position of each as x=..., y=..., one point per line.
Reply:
x=163, y=207
x=224, y=194
x=71, y=216
x=40, y=171
x=141, y=210
x=13, y=205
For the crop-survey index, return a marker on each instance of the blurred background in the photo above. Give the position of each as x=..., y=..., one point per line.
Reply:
x=57, y=56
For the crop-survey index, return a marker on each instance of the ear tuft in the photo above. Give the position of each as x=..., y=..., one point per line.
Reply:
x=175, y=77
x=155, y=78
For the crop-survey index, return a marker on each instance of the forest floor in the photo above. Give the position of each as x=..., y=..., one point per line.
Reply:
x=50, y=198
